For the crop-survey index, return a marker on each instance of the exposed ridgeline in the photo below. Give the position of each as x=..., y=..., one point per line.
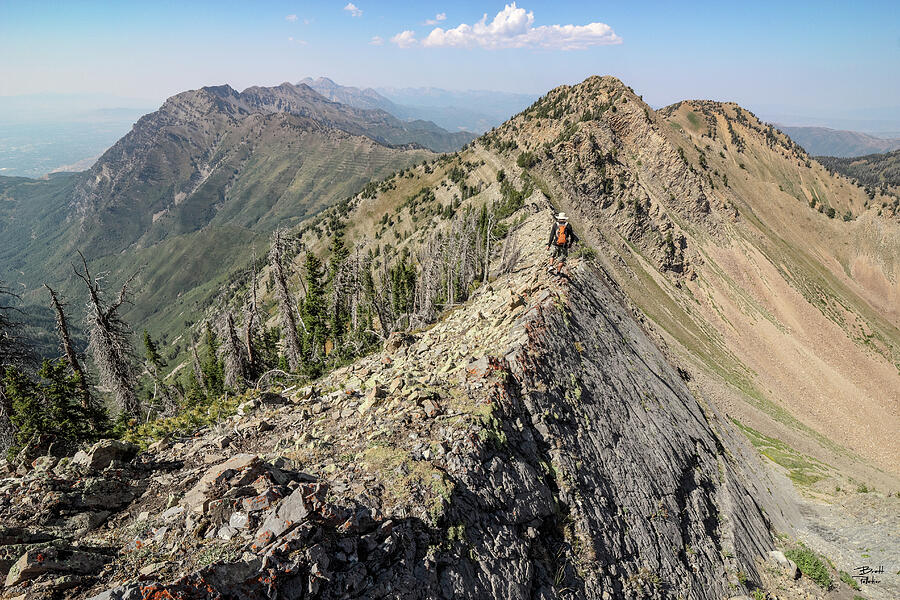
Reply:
x=534, y=443
x=779, y=280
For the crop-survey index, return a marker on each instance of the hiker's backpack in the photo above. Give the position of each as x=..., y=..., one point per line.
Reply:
x=561, y=235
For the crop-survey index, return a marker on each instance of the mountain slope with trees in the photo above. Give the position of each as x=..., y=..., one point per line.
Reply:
x=417, y=372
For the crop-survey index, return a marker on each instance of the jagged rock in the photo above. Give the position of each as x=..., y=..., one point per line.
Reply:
x=247, y=466
x=397, y=340
x=103, y=453
x=290, y=512
x=43, y=464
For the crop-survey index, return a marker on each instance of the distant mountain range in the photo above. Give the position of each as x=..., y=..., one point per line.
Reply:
x=822, y=141
x=195, y=184
x=474, y=110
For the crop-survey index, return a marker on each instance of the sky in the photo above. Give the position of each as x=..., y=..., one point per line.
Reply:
x=814, y=57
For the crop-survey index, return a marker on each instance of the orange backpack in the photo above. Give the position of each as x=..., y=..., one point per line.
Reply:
x=561, y=236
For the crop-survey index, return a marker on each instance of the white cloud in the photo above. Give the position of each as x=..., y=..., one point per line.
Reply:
x=291, y=18
x=377, y=40
x=298, y=42
x=437, y=19
x=513, y=27
x=353, y=10
x=405, y=39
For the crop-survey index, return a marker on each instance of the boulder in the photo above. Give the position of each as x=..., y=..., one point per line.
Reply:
x=103, y=453
x=291, y=511
x=239, y=470
x=786, y=564
x=35, y=563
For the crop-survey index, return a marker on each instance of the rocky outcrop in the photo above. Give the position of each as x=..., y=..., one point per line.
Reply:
x=536, y=444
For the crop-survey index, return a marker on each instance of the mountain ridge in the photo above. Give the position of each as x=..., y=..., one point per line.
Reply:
x=824, y=141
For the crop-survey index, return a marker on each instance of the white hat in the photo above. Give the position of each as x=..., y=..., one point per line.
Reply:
x=561, y=217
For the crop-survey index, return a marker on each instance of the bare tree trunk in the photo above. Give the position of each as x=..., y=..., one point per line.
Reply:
x=285, y=304
x=235, y=362
x=250, y=315
x=65, y=340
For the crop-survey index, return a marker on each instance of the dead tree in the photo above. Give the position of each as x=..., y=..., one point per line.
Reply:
x=289, y=334
x=12, y=350
x=68, y=348
x=236, y=372
x=109, y=341
x=251, y=315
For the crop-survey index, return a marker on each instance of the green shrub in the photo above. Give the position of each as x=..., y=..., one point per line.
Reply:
x=810, y=565
x=848, y=579
x=526, y=160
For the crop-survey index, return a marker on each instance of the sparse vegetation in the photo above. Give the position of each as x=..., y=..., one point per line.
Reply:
x=811, y=565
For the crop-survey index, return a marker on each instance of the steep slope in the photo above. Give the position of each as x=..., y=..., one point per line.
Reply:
x=719, y=229
x=534, y=444
x=822, y=141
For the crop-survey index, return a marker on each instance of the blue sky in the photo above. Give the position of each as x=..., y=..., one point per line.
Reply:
x=819, y=57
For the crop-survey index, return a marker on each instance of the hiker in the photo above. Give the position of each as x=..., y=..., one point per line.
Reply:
x=561, y=239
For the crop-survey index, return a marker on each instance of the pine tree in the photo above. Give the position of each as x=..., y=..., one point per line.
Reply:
x=48, y=414
x=12, y=352
x=211, y=367
x=313, y=313
x=93, y=410
x=339, y=287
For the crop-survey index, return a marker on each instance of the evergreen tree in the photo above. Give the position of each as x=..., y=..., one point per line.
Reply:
x=211, y=367
x=49, y=411
x=313, y=309
x=233, y=358
x=339, y=289
x=155, y=364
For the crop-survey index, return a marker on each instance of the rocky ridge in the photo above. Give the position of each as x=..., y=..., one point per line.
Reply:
x=533, y=443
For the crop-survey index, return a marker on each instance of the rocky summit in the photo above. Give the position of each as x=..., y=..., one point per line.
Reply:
x=532, y=444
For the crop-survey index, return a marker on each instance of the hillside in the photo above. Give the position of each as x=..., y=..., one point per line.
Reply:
x=822, y=141
x=879, y=172
x=694, y=212
x=489, y=430
x=191, y=187
x=483, y=457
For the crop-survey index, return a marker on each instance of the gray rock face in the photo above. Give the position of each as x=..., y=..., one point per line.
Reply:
x=606, y=477
x=557, y=456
